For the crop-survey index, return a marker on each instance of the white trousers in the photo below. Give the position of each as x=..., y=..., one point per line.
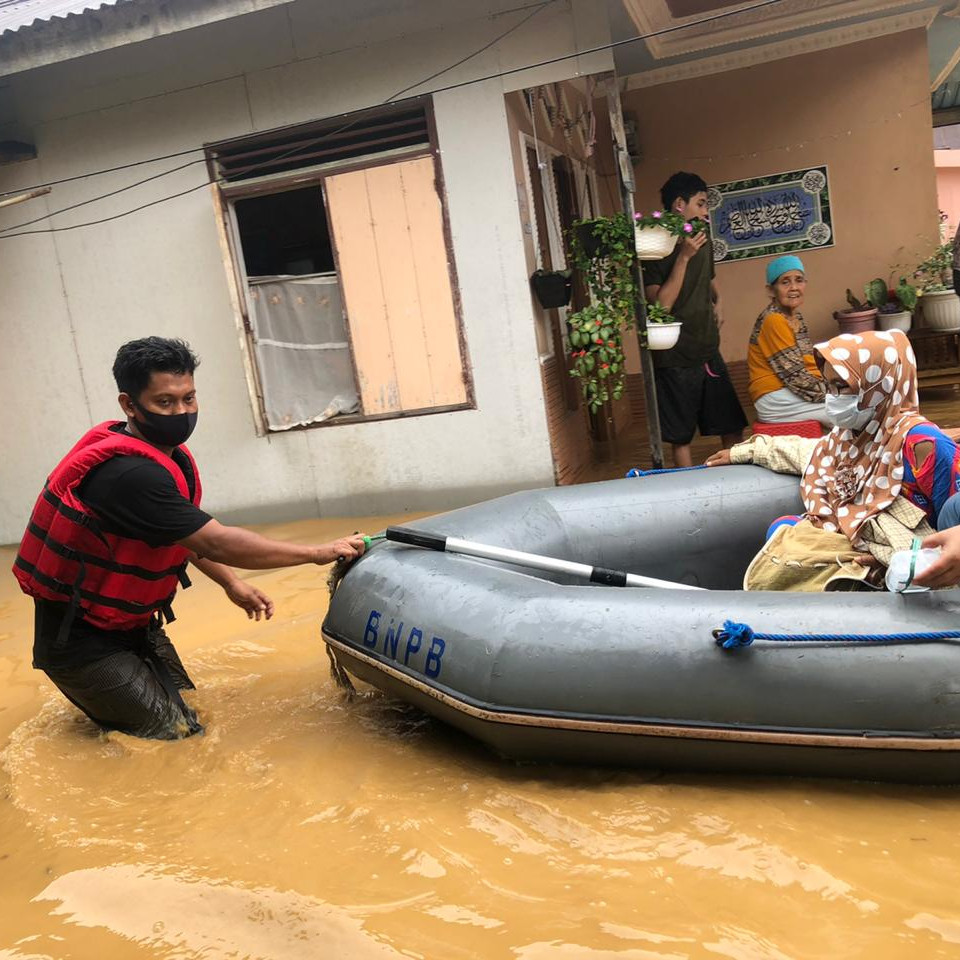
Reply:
x=784, y=406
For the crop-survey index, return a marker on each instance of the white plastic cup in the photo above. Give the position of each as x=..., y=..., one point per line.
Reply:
x=899, y=572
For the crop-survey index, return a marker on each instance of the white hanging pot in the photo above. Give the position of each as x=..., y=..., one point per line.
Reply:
x=654, y=243
x=940, y=310
x=663, y=336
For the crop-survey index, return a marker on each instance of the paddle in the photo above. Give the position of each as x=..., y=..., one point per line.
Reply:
x=609, y=578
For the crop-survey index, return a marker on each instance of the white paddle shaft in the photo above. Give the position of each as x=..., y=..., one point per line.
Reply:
x=601, y=575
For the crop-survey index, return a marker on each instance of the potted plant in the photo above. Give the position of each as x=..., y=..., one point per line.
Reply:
x=663, y=330
x=894, y=305
x=939, y=304
x=553, y=288
x=857, y=317
x=596, y=332
x=595, y=238
x=658, y=232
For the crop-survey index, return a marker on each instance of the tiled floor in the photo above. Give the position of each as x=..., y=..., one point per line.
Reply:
x=939, y=404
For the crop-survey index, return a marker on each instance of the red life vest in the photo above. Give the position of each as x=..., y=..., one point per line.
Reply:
x=118, y=582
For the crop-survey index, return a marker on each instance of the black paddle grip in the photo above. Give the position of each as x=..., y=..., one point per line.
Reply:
x=609, y=578
x=416, y=539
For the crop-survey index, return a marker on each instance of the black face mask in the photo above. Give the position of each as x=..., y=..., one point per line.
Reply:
x=165, y=429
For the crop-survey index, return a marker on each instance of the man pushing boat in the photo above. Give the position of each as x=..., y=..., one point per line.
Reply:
x=110, y=539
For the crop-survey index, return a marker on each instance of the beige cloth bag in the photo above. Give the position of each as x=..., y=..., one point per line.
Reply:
x=805, y=558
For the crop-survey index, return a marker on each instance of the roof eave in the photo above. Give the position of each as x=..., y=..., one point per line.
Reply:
x=82, y=34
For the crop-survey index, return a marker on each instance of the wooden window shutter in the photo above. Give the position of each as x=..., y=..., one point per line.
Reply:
x=387, y=224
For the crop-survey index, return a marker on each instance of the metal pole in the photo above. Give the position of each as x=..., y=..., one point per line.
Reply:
x=583, y=571
x=627, y=186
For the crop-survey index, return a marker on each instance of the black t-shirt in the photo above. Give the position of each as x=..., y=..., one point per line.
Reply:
x=699, y=335
x=134, y=497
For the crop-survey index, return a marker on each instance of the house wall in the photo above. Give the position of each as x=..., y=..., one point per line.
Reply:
x=862, y=109
x=948, y=188
x=71, y=298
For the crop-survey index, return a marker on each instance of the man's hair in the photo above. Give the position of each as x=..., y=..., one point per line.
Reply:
x=138, y=359
x=682, y=185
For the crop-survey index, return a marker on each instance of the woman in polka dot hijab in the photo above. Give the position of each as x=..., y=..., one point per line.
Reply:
x=857, y=470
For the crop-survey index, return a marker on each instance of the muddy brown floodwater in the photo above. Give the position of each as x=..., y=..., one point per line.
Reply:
x=305, y=826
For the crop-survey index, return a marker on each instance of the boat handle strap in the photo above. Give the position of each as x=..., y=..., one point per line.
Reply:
x=416, y=539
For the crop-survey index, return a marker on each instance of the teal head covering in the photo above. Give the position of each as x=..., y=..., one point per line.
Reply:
x=777, y=268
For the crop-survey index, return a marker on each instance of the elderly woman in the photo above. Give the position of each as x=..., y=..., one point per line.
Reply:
x=785, y=384
x=881, y=477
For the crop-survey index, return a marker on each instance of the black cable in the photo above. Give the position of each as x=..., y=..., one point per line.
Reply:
x=5, y=231
x=454, y=86
x=104, y=196
x=183, y=153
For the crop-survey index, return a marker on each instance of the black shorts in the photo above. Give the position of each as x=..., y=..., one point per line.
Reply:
x=697, y=397
x=135, y=691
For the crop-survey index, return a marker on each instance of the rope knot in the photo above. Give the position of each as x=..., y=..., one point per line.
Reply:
x=733, y=635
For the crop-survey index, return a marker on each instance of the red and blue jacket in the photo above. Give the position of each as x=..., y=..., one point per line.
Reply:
x=117, y=582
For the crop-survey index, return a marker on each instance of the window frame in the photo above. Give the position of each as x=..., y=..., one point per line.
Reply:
x=586, y=185
x=225, y=194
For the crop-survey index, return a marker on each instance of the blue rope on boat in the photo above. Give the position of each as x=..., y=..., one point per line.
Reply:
x=637, y=472
x=733, y=635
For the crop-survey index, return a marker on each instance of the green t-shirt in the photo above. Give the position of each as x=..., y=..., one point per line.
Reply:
x=699, y=336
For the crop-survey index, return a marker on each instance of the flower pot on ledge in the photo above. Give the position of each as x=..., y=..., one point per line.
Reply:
x=939, y=310
x=856, y=321
x=900, y=320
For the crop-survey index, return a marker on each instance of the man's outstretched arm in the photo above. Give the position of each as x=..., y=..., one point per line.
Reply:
x=238, y=547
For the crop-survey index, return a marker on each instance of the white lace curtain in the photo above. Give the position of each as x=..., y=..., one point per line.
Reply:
x=302, y=350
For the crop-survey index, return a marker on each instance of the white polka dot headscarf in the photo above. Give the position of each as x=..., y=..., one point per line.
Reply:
x=854, y=476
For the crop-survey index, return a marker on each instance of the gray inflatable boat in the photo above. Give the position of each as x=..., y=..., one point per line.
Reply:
x=541, y=666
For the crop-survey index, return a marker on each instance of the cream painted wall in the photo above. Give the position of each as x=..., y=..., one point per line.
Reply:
x=71, y=298
x=864, y=110
x=948, y=188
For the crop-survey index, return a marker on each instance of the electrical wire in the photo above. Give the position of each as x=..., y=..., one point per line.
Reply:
x=6, y=235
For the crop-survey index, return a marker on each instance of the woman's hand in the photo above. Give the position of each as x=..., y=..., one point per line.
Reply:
x=248, y=597
x=719, y=459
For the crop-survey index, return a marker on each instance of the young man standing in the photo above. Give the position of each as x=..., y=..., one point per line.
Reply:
x=693, y=386
x=109, y=541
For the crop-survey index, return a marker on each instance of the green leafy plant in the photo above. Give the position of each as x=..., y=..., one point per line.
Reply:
x=886, y=299
x=659, y=314
x=876, y=293
x=596, y=332
x=855, y=305
x=672, y=222
x=905, y=294
x=934, y=273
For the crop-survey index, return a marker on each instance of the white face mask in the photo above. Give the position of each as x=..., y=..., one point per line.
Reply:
x=844, y=412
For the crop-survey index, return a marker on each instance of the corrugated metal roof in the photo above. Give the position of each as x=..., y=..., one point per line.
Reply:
x=15, y=14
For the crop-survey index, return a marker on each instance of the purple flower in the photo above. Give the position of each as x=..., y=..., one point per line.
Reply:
x=637, y=216
x=688, y=228
x=657, y=214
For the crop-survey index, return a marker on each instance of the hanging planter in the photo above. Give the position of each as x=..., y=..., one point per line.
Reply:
x=663, y=331
x=602, y=250
x=655, y=243
x=663, y=336
x=553, y=288
x=657, y=233
x=590, y=240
